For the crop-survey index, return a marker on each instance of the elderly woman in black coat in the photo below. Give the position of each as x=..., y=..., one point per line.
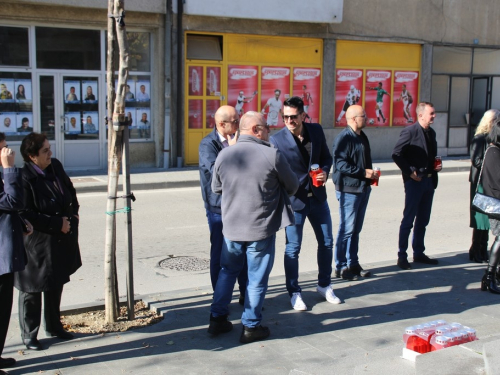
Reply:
x=53, y=253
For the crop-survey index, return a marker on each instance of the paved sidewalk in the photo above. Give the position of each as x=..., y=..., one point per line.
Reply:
x=363, y=335
x=154, y=178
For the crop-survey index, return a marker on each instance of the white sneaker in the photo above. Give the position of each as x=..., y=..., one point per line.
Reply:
x=327, y=292
x=297, y=302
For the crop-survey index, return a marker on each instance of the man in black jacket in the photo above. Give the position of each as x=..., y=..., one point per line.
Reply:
x=414, y=154
x=226, y=123
x=352, y=175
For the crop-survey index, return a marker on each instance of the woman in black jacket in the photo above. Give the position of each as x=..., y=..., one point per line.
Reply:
x=479, y=223
x=53, y=253
x=490, y=179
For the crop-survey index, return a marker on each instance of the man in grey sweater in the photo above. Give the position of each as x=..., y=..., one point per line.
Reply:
x=255, y=182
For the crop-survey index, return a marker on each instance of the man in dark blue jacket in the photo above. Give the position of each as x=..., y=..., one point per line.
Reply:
x=414, y=154
x=226, y=123
x=352, y=175
x=304, y=144
x=12, y=253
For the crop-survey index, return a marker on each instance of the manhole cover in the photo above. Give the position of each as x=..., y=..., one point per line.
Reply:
x=185, y=264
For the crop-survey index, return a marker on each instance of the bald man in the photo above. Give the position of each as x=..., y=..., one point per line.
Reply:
x=255, y=181
x=352, y=175
x=226, y=124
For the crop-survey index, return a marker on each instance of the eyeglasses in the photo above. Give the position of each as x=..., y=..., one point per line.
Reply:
x=268, y=128
x=234, y=122
x=292, y=117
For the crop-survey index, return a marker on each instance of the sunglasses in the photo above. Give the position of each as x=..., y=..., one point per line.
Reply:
x=292, y=117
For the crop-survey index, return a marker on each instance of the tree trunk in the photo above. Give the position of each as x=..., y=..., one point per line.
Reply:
x=116, y=116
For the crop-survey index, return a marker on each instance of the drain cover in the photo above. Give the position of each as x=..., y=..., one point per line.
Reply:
x=185, y=264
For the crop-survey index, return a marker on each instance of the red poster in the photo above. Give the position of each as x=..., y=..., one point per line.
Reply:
x=242, y=85
x=275, y=88
x=212, y=107
x=306, y=84
x=377, y=97
x=195, y=80
x=195, y=120
x=348, y=88
x=213, y=81
x=405, y=98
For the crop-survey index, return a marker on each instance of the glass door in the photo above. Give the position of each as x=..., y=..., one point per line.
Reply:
x=69, y=115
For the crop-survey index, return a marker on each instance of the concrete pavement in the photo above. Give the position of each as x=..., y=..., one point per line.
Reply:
x=362, y=335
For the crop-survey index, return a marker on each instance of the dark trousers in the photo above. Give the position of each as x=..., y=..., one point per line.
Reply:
x=417, y=212
x=30, y=312
x=6, y=295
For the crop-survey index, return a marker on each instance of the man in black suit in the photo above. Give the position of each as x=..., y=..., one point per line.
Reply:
x=414, y=154
x=226, y=124
x=304, y=144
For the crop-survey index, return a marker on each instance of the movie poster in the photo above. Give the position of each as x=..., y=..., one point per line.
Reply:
x=348, y=91
x=405, y=98
x=195, y=119
x=307, y=85
x=195, y=74
x=213, y=81
x=378, y=97
x=212, y=106
x=275, y=88
x=242, y=86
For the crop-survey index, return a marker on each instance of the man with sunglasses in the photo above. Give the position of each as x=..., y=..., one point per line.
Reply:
x=352, y=175
x=304, y=144
x=226, y=123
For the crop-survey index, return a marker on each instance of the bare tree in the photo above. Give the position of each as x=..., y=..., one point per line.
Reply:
x=116, y=113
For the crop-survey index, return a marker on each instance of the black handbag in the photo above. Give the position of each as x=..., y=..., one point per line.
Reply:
x=483, y=203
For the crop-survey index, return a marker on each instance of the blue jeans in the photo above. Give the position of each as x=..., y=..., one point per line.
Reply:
x=216, y=241
x=352, y=209
x=418, y=205
x=259, y=256
x=319, y=216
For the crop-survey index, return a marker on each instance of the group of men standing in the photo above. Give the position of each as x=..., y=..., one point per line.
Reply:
x=262, y=183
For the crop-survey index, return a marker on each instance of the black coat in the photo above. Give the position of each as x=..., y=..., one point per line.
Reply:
x=52, y=255
x=411, y=153
x=12, y=254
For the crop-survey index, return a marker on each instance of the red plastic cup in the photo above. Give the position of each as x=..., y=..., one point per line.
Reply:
x=315, y=170
x=438, y=163
x=378, y=173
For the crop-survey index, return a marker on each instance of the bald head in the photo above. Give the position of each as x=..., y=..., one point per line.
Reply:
x=356, y=118
x=226, y=120
x=254, y=124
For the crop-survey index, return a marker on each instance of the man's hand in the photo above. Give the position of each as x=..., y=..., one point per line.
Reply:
x=7, y=157
x=370, y=174
x=232, y=141
x=321, y=177
x=415, y=177
x=29, y=228
x=66, y=227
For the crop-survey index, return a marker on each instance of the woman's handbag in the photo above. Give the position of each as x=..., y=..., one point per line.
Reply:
x=483, y=203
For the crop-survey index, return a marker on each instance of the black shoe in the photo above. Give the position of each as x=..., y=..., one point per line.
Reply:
x=62, y=334
x=359, y=271
x=254, y=334
x=403, y=264
x=7, y=362
x=337, y=274
x=219, y=324
x=348, y=275
x=33, y=344
x=424, y=259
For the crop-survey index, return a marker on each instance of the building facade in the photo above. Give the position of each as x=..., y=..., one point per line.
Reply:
x=188, y=58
